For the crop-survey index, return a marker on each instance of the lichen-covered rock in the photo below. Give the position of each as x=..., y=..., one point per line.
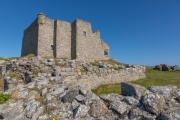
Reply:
x=131, y=101
x=137, y=114
x=111, y=97
x=170, y=114
x=165, y=91
x=98, y=108
x=136, y=91
x=81, y=111
x=31, y=107
x=70, y=96
x=79, y=98
x=120, y=107
x=153, y=102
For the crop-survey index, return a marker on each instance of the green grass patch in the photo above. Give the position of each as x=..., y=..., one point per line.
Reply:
x=94, y=64
x=4, y=98
x=36, y=72
x=153, y=78
x=108, y=88
x=119, y=68
x=111, y=61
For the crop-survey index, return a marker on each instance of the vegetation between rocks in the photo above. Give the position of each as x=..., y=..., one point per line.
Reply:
x=4, y=98
x=153, y=78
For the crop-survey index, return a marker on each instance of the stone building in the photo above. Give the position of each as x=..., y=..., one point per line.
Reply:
x=56, y=38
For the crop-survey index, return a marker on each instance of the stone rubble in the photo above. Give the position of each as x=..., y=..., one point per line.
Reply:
x=44, y=89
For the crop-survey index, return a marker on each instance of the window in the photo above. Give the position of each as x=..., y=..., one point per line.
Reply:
x=106, y=52
x=84, y=33
x=52, y=47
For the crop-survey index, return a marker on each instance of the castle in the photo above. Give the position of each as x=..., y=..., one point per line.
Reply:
x=56, y=38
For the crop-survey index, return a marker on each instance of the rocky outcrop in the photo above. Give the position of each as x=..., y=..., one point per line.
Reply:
x=42, y=89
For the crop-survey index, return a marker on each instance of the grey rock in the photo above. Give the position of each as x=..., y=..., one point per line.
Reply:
x=22, y=94
x=131, y=101
x=82, y=90
x=44, y=91
x=170, y=114
x=177, y=95
x=120, y=107
x=57, y=91
x=30, y=107
x=70, y=96
x=111, y=97
x=153, y=102
x=90, y=97
x=37, y=113
x=75, y=104
x=81, y=111
x=98, y=108
x=136, y=91
x=42, y=82
x=165, y=91
x=79, y=98
x=13, y=111
x=137, y=114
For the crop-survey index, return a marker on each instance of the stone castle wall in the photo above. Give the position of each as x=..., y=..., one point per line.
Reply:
x=45, y=36
x=30, y=39
x=61, y=39
x=88, y=47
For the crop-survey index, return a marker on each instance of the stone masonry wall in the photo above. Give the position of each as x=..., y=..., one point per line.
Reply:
x=63, y=39
x=55, y=38
x=88, y=47
x=45, y=36
x=30, y=39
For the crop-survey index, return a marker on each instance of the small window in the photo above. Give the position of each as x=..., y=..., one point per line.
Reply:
x=52, y=47
x=106, y=52
x=84, y=33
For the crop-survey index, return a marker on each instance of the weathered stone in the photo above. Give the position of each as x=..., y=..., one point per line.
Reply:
x=98, y=108
x=79, y=98
x=137, y=114
x=131, y=101
x=30, y=107
x=70, y=96
x=136, y=91
x=153, y=103
x=111, y=97
x=81, y=111
x=165, y=91
x=120, y=107
x=75, y=104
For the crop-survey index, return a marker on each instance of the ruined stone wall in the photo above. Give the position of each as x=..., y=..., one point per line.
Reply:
x=45, y=36
x=30, y=39
x=88, y=47
x=63, y=39
x=105, y=47
x=111, y=77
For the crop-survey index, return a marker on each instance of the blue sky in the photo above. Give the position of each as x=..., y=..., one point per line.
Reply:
x=145, y=32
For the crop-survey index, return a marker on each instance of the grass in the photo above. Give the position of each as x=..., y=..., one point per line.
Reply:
x=30, y=55
x=36, y=72
x=153, y=77
x=4, y=98
x=94, y=64
x=111, y=61
x=14, y=75
x=119, y=68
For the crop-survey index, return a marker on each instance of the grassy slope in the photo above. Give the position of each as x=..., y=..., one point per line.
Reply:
x=154, y=77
